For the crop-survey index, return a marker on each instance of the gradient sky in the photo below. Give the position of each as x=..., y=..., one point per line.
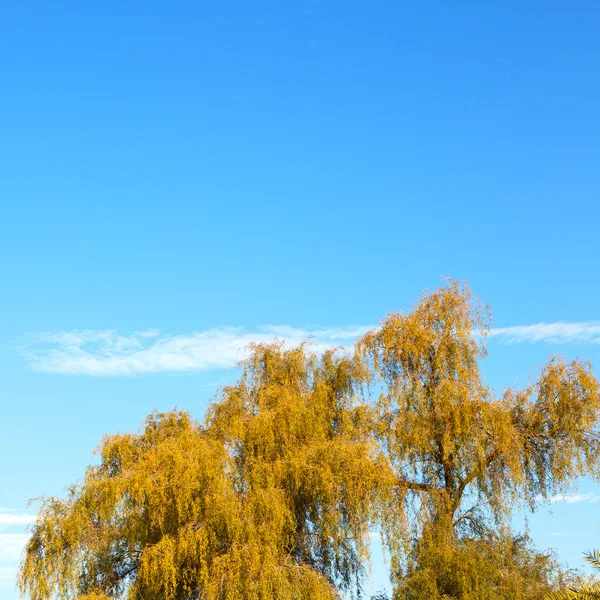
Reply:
x=178, y=178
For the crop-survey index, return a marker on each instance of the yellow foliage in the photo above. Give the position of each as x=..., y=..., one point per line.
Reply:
x=463, y=457
x=273, y=496
x=271, y=499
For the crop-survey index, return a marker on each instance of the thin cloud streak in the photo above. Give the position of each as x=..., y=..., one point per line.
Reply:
x=12, y=546
x=575, y=498
x=108, y=353
x=588, y=498
x=551, y=333
x=10, y=518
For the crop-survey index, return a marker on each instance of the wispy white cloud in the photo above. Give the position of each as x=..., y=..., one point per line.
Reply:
x=551, y=333
x=91, y=352
x=575, y=498
x=11, y=547
x=10, y=517
x=577, y=534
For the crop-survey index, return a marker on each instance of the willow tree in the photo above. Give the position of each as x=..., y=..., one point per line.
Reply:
x=271, y=498
x=464, y=457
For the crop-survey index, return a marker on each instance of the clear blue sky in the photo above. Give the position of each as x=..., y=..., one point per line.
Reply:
x=177, y=168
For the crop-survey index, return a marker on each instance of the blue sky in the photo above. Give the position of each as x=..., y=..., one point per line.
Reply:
x=178, y=178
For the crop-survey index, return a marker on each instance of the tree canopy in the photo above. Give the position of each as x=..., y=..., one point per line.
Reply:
x=274, y=495
x=271, y=498
x=464, y=457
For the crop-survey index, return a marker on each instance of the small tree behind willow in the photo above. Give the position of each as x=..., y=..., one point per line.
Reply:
x=464, y=458
x=271, y=499
x=509, y=565
x=581, y=590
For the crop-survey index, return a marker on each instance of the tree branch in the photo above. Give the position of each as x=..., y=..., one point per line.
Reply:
x=490, y=458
